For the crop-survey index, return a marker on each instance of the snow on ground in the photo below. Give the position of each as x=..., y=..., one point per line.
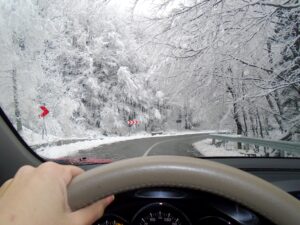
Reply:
x=207, y=149
x=53, y=152
x=230, y=149
x=33, y=138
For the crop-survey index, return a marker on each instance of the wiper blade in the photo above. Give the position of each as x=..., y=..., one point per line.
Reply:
x=80, y=161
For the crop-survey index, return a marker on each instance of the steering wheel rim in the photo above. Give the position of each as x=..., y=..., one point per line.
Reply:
x=186, y=172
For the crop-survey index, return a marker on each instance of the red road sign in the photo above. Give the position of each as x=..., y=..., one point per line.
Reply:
x=45, y=111
x=132, y=122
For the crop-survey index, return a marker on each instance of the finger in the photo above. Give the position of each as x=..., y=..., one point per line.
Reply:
x=91, y=213
x=4, y=187
x=24, y=170
x=70, y=172
x=66, y=173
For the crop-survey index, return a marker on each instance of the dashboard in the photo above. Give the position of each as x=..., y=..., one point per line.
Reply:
x=176, y=206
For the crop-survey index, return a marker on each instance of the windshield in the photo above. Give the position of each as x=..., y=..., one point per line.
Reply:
x=103, y=80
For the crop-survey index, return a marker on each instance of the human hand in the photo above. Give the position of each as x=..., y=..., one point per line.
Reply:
x=38, y=196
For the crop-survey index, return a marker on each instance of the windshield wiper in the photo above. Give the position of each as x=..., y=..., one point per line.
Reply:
x=80, y=161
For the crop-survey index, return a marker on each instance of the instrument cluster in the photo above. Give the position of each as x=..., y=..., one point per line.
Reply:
x=168, y=206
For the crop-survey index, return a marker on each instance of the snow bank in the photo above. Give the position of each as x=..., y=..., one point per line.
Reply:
x=207, y=149
x=33, y=138
x=54, y=152
x=230, y=149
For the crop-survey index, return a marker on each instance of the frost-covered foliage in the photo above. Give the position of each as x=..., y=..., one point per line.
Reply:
x=178, y=65
x=79, y=59
x=234, y=63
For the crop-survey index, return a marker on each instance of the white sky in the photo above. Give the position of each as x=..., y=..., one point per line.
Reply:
x=143, y=8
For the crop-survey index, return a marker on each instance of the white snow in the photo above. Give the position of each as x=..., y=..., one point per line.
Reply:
x=157, y=114
x=230, y=149
x=68, y=149
x=33, y=138
x=207, y=149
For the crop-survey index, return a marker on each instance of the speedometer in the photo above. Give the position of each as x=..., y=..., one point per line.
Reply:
x=111, y=220
x=160, y=214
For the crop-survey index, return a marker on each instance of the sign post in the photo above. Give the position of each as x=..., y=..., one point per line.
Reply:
x=178, y=122
x=130, y=123
x=44, y=113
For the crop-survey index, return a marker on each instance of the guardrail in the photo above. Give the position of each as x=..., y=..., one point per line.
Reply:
x=282, y=146
x=156, y=132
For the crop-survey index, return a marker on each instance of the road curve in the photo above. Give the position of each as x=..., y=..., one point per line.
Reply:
x=158, y=145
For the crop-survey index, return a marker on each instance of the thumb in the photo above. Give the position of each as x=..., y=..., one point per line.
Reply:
x=91, y=213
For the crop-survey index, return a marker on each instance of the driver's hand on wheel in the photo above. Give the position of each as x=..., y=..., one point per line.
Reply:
x=38, y=196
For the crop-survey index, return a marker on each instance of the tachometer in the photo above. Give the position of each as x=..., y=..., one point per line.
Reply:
x=160, y=214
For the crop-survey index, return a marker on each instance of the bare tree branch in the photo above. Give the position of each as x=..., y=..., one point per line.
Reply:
x=250, y=65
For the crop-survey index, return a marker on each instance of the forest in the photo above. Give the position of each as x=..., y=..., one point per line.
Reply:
x=169, y=64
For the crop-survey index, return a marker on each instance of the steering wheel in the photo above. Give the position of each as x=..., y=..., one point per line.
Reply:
x=198, y=174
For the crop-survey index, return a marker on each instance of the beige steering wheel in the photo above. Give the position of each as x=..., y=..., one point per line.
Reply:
x=199, y=174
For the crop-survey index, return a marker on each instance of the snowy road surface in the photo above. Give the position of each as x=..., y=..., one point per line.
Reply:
x=180, y=145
